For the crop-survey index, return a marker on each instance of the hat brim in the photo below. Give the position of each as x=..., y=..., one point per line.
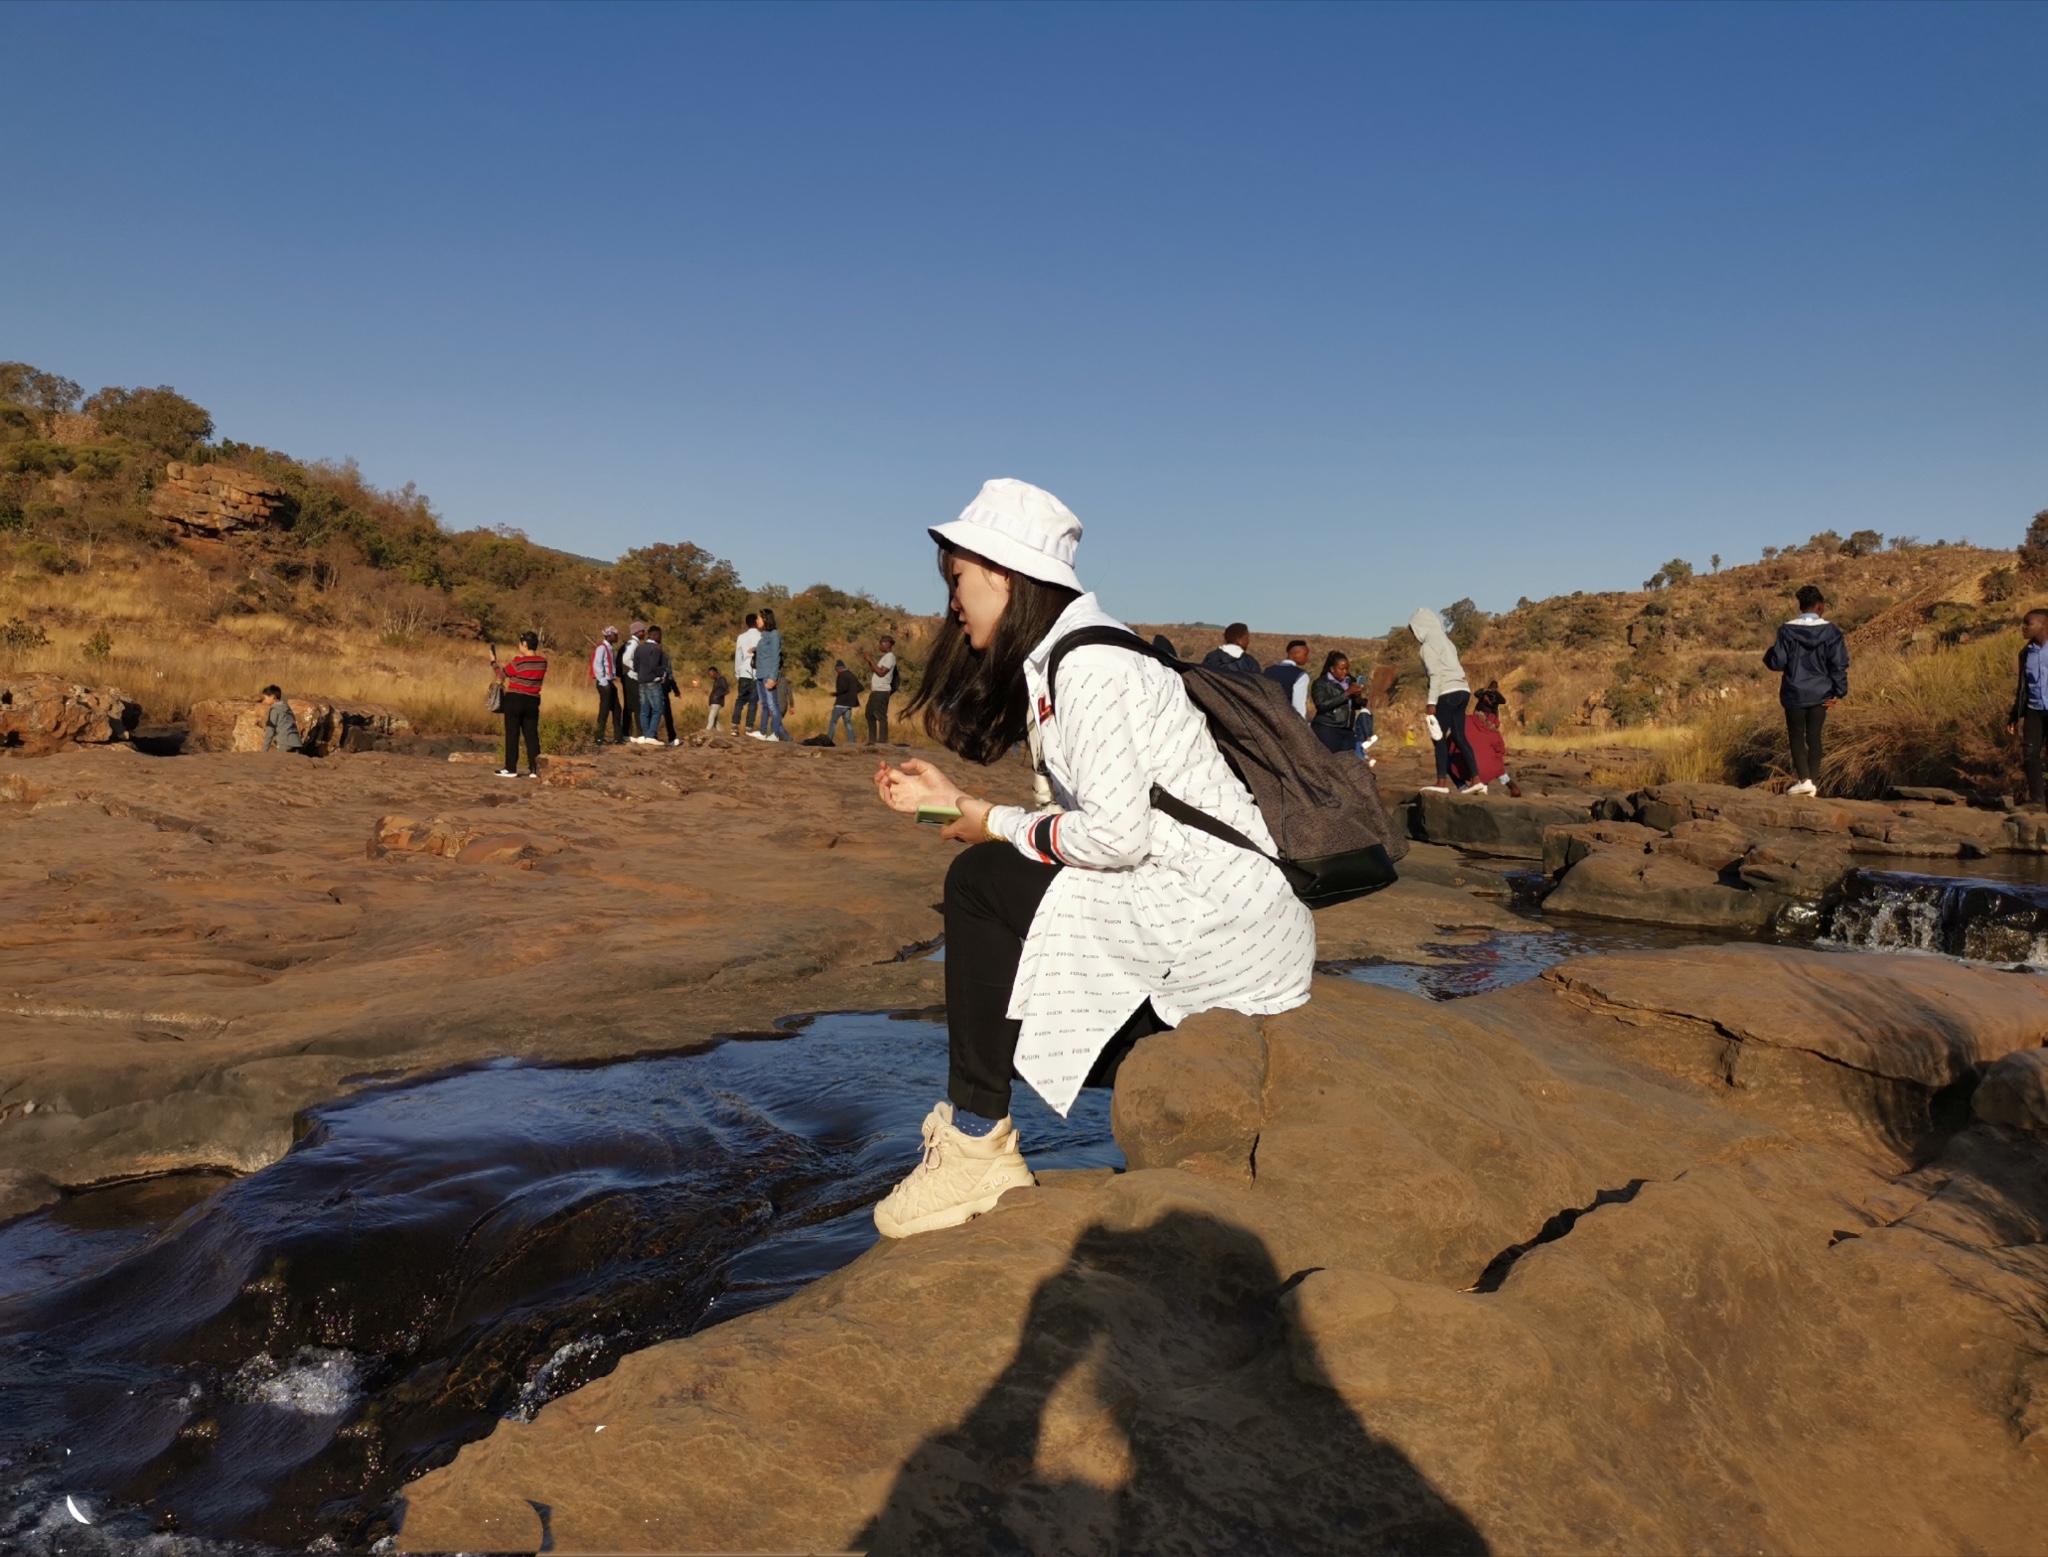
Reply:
x=1006, y=552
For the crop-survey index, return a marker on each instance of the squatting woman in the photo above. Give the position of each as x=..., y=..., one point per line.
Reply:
x=1077, y=927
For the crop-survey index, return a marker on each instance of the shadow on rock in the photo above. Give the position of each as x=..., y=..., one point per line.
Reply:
x=1155, y=1404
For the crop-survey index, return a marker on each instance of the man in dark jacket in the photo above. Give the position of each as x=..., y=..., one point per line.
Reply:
x=1814, y=659
x=651, y=671
x=2030, y=701
x=1233, y=655
x=845, y=699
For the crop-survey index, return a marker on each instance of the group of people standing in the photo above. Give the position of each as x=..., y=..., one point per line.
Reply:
x=1471, y=753
x=635, y=681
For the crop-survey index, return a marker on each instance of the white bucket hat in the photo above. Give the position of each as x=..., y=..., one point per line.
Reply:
x=1020, y=527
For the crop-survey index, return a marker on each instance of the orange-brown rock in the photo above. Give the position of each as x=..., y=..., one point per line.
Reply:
x=216, y=500
x=41, y=713
x=1489, y=1277
x=326, y=724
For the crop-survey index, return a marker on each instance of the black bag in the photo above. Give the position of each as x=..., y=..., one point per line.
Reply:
x=1334, y=837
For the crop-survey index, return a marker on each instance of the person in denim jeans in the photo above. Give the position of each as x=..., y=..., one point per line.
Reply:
x=651, y=670
x=845, y=698
x=768, y=677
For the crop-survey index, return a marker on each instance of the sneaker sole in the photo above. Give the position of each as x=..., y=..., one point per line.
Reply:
x=951, y=1216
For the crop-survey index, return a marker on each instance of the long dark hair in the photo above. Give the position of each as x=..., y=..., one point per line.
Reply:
x=973, y=700
x=1333, y=659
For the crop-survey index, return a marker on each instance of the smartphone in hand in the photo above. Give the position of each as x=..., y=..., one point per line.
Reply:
x=938, y=816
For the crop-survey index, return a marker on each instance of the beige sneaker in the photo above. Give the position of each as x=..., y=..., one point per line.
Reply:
x=960, y=1177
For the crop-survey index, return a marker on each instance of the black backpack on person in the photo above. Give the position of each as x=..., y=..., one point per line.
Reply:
x=1334, y=838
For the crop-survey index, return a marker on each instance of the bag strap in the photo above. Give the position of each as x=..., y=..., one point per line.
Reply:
x=1162, y=800
x=1083, y=637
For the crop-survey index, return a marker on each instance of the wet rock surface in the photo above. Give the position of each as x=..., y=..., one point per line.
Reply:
x=1488, y=1277
x=1701, y=1249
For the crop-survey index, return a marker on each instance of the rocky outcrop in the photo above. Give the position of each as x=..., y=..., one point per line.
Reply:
x=1709, y=856
x=1497, y=824
x=2014, y=1092
x=40, y=714
x=467, y=843
x=1421, y=1278
x=326, y=724
x=217, y=500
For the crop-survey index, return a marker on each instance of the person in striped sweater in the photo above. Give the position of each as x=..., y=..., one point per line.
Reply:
x=519, y=679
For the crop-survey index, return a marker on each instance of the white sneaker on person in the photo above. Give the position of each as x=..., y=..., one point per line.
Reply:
x=960, y=1177
x=1436, y=789
x=675, y=743
x=508, y=773
x=1804, y=787
x=1473, y=789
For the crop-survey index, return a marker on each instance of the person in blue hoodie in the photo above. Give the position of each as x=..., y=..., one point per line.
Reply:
x=768, y=676
x=1813, y=658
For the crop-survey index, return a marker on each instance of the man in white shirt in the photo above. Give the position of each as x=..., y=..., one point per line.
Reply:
x=881, y=683
x=746, y=699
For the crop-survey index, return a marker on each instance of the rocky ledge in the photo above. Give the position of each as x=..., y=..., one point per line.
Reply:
x=1670, y=1251
x=1709, y=856
x=42, y=713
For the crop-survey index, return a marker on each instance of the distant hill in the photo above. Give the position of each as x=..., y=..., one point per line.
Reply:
x=136, y=477
x=1695, y=639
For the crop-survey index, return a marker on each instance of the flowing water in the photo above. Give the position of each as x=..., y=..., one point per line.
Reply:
x=199, y=1364
x=270, y=1358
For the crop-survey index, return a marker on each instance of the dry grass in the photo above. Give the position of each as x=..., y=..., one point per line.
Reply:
x=1936, y=717
x=168, y=656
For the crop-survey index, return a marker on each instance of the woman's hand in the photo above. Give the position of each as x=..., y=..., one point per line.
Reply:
x=973, y=824
x=917, y=783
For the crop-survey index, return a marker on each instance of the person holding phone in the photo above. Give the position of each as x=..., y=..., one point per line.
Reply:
x=1075, y=928
x=519, y=680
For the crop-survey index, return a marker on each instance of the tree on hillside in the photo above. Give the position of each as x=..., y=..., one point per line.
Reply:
x=1863, y=543
x=1827, y=541
x=683, y=585
x=2034, y=548
x=1463, y=623
x=45, y=392
x=1714, y=562
x=161, y=417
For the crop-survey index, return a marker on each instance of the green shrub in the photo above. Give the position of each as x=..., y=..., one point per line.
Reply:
x=18, y=637
x=12, y=515
x=45, y=555
x=99, y=648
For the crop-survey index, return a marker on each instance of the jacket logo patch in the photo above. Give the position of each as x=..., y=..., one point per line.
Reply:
x=1044, y=709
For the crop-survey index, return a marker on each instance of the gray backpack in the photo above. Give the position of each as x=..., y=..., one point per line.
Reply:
x=1334, y=837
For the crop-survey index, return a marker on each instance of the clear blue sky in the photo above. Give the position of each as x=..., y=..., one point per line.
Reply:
x=1313, y=315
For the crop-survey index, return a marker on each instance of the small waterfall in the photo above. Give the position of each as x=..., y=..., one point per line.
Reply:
x=1985, y=921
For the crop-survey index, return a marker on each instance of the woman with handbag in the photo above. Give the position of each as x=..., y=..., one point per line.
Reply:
x=516, y=687
x=1078, y=927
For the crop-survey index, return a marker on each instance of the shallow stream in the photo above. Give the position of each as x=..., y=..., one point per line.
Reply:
x=205, y=1364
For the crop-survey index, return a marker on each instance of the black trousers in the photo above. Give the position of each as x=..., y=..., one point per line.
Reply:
x=878, y=735
x=522, y=721
x=1450, y=713
x=668, y=714
x=2033, y=727
x=609, y=713
x=991, y=893
x=1802, y=728
x=629, y=695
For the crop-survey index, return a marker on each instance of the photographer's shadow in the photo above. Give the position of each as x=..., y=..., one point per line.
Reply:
x=1155, y=1404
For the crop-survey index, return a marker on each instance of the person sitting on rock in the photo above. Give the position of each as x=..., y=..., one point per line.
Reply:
x=1489, y=745
x=1814, y=658
x=280, y=724
x=1233, y=653
x=1075, y=929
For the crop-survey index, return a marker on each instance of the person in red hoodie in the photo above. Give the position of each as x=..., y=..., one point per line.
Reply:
x=519, y=680
x=1489, y=745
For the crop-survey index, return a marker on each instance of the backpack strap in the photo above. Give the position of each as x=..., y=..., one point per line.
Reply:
x=1112, y=637
x=1162, y=800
